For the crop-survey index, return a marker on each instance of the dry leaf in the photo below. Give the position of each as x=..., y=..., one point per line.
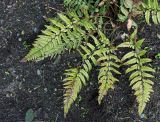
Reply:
x=129, y=24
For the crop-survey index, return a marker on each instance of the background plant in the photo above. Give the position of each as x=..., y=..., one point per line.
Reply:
x=82, y=28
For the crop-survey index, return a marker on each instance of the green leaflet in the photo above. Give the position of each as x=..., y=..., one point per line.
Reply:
x=128, y=55
x=148, y=69
x=145, y=60
x=57, y=23
x=124, y=11
x=147, y=16
x=154, y=17
x=155, y=4
x=125, y=44
x=132, y=68
x=134, y=74
x=158, y=16
x=144, y=74
x=126, y=7
x=85, y=74
x=133, y=36
x=139, y=43
x=149, y=81
x=142, y=53
x=85, y=49
x=131, y=61
x=128, y=4
x=65, y=19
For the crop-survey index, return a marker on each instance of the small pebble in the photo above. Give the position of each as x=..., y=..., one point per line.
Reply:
x=18, y=34
x=38, y=72
x=22, y=32
x=35, y=30
x=143, y=116
x=45, y=89
x=19, y=39
x=55, y=89
x=1, y=21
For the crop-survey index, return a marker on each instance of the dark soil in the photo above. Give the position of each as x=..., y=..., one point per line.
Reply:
x=38, y=86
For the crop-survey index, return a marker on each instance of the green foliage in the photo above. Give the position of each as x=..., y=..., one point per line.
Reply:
x=63, y=33
x=108, y=67
x=74, y=79
x=128, y=9
x=140, y=77
x=83, y=29
x=125, y=8
x=152, y=10
x=77, y=4
x=157, y=56
x=92, y=55
x=93, y=6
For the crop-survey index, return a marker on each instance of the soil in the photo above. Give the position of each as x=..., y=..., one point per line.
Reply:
x=38, y=86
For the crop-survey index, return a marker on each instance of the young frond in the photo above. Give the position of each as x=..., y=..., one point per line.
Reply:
x=63, y=33
x=152, y=10
x=140, y=73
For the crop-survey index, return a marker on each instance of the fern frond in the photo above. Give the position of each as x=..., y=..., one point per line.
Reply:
x=126, y=8
x=152, y=10
x=76, y=4
x=108, y=66
x=75, y=78
x=89, y=52
x=106, y=76
x=63, y=33
x=93, y=6
x=140, y=74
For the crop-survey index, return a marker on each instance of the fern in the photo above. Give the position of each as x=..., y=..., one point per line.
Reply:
x=139, y=73
x=63, y=33
x=108, y=67
x=83, y=29
x=76, y=4
x=76, y=77
x=93, y=6
x=125, y=9
x=152, y=10
x=128, y=10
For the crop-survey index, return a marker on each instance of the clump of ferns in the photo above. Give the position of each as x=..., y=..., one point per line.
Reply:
x=76, y=30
